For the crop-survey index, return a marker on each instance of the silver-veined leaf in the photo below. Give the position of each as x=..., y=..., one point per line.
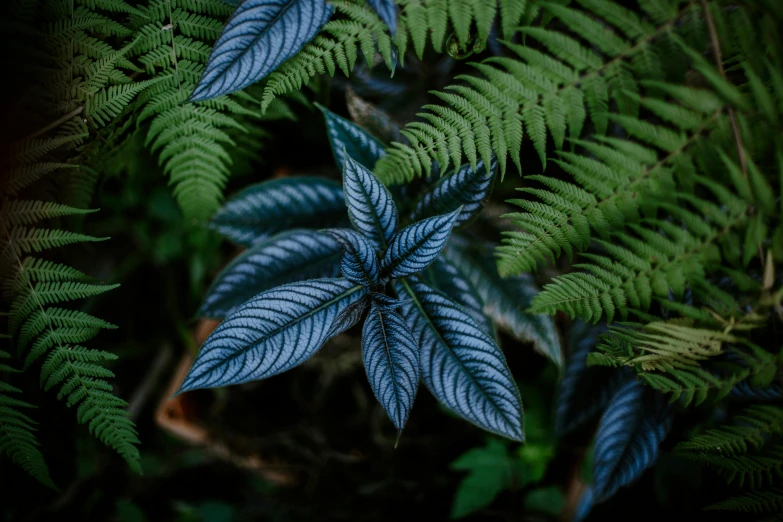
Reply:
x=370, y=205
x=359, y=262
x=347, y=138
x=350, y=315
x=417, y=246
x=387, y=12
x=391, y=360
x=267, y=208
x=466, y=187
x=583, y=391
x=505, y=299
x=446, y=277
x=628, y=438
x=290, y=256
x=273, y=332
x=259, y=36
x=461, y=364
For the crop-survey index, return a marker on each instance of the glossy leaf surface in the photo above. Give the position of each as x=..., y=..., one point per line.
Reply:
x=505, y=299
x=283, y=258
x=349, y=317
x=280, y=204
x=584, y=391
x=461, y=364
x=447, y=278
x=259, y=36
x=465, y=187
x=628, y=438
x=347, y=138
x=359, y=262
x=391, y=360
x=370, y=205
x=417, y=246
x=271, y=333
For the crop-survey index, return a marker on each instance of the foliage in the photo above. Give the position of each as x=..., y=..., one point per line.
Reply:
x=655, y=216
x=259, y=36
x=495, y=467
x=459, y=359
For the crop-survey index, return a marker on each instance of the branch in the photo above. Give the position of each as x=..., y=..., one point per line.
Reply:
x=715, y=44
x=77, y=111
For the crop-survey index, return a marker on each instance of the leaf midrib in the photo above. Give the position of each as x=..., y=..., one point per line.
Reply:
x=432, y=327
x=287, y=325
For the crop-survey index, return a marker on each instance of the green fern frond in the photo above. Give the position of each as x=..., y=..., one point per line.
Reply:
x=51, y=317
x=20, y=212
x=45, y=293
x=648, y=259
x=28, y=151
x=108, y=103
x=751, y=430
x=665, y=345
x=40, y=270
x=118, y=6
x=190, y=140
x=538, y=86
x=17, y=432
x=82, y=383
x=764, y=501
x=757, y=469
x=24, y=240
x=337, y=46
x=23, y=176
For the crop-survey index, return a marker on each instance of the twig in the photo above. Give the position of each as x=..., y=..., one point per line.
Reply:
x=77, y=111
x=144, y=390
x=719, y=62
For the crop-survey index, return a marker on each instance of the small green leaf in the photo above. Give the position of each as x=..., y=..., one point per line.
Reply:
x=545, y=500
x=490, y=473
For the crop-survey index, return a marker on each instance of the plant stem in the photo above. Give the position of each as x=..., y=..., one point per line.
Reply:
x=715, y=43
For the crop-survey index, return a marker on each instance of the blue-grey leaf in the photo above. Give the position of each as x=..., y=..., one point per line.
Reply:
x=346, y=137
x=387, y=12
x=585, y=505
x=391, y=359
x=465, y=187
x=628, y=438
x=583, y=391
x=370, y=205
x=385, y=301
x=417, y=246
x=505, y=299
x=350, y=315
x=445, y=276
x=461, y=364
x=359, y=262
x=273, y=332
x=259, y=36
x=267, y=208
x=286, y=257
x=744, y=390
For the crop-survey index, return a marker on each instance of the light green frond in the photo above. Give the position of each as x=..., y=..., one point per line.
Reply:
x=548, y=86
